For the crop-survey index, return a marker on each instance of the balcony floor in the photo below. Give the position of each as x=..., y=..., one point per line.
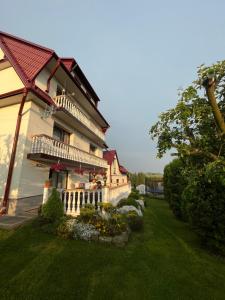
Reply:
x=49, y=160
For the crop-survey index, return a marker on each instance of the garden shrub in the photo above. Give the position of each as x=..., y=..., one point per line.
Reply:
x=66, y=227
x=128, y=201
x=134, y=195
x=134, y=221
x=53, y=209
x=174, y=184
x=87, y=214
x=108, y=207
x=111, y=227
x=205, y=198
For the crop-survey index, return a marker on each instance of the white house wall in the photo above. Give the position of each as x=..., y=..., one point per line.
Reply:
x=9, y=80
x=1, y=54
x=8, y=117
x=33, y=174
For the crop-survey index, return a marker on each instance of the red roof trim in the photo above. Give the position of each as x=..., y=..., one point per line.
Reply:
x=69, y=62
x=12, y=93
x=36, y=90
x=13, y=62
x=26, y=42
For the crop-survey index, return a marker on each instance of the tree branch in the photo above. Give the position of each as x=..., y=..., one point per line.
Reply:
x=209, y=85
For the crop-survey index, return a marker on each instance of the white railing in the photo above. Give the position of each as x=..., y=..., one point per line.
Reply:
x=47, y=145
x=65, y=102
x=115, y=194
x=74, y=200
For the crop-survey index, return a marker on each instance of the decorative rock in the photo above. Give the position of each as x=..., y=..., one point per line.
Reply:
x=105, y=239
x=141, y=203
x=120, y=240
x=126, y=208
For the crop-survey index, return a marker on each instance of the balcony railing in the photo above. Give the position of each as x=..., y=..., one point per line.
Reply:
x=43, y=144
x=74, y=200
x=65, y=102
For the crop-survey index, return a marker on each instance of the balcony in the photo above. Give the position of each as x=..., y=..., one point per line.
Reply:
x=65, y=102
x=48, y=150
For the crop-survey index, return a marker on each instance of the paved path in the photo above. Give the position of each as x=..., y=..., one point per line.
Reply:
x=11, y=222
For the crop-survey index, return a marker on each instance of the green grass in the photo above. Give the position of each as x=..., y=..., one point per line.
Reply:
x=165, y=261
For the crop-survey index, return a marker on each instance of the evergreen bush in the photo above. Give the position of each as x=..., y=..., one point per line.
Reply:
x=53, y=209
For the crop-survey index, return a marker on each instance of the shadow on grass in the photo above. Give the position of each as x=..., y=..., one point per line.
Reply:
x=164, y=261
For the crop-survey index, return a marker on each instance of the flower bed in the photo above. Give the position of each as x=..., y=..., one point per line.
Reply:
x=108, y=225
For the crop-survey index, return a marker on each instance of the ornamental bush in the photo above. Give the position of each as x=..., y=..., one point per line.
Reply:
x=174, y=185
x=128, y=201
x=134, y=195
x=205, y=205
x=53, y=209
x=134, y=221
x=87, y=213
x=66, y=227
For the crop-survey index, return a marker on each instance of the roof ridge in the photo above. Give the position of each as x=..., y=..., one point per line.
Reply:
x=26, y=42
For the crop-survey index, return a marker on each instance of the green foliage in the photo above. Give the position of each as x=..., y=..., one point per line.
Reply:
x=87, y=213
x=134, y=221
x=128, y=201
x=205, y=205
x=194, y=128
x=107, y=207
x=64, y=229
x=134, y=194
x=53, y=209
x=174, y=184
x=111, y=227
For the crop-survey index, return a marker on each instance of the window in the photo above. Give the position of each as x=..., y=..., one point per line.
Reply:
x=59, y=90
x=59, y=179
x=92, y=149
x=61, y=135
x=117, y=181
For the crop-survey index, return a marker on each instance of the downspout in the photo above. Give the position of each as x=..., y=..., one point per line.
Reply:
x=5, y=202
x=52, y=74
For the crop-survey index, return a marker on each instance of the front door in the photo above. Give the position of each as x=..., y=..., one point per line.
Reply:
x=59, y=179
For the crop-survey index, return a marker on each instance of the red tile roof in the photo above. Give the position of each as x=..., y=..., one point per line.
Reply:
x=28, y=59
x=123, y=170
x=31, y=58
x=68, y=63
x=109, y=156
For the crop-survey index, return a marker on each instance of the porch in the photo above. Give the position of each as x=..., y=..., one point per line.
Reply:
x=74, y=199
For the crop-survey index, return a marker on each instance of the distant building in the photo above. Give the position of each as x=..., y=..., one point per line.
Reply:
x=141, y=189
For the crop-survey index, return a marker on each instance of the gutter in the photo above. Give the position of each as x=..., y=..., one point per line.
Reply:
x=5, y=202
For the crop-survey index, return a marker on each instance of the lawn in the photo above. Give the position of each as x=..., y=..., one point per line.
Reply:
x=165, y=261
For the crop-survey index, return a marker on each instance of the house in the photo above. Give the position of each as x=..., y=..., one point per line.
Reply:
x=51, y=129
x=117, y=175
x=141, y=189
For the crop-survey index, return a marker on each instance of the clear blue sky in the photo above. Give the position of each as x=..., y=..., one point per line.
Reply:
x=136, y=54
